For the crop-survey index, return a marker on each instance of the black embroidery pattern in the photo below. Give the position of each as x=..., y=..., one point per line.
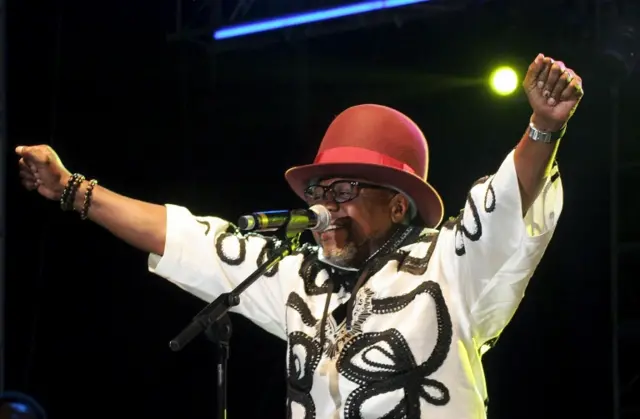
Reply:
x=475, y=231
x=418, y=266
x=400, y=372
x=362, y=309
x=490, y=199
x=336, y=329
x=398, y=303
x=336, y=333
x=381, y=260
x=311, y=267
x=300, y=372
x=233, y=260
x=354, y=349
x=309, y=270
x=206, y=224
x=300, y=306
x=266, y=252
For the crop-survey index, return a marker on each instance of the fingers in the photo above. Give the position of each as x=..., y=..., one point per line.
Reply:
x=29, y=185
x=543, y=75
x=555, y=80
x=28, y=177
x=537, y=66
x=567, y=86
x=554, y=72
x=23, y=166
x=560, y=86
x=573, y=90
x=30, y=166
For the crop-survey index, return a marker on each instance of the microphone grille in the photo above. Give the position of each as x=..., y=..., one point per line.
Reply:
x=324, y=217
x=246, y=222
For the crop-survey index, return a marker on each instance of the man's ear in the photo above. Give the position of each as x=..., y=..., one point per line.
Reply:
x=399, y=208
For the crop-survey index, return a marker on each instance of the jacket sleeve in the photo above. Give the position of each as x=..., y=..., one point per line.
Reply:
x=207, y=256
x=490, y=251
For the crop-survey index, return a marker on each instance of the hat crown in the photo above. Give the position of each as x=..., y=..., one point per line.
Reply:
x=378, y=129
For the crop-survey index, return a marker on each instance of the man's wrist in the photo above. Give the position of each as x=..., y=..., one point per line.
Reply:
x=546, y=125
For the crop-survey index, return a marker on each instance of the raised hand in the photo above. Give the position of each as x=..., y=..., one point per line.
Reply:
x=554, y=92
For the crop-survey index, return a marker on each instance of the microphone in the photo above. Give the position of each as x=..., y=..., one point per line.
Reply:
x=315, y=218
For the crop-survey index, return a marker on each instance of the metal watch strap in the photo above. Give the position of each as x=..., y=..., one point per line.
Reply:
x=546, y=137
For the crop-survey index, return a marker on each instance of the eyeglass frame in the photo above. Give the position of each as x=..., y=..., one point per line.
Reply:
x=355, y=185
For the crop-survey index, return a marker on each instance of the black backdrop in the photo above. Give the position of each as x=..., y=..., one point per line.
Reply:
x=88, y=326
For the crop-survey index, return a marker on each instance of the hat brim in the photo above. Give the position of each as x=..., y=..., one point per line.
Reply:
x=427, y=200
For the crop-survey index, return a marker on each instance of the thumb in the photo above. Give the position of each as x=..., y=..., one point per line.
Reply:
x=20, y=150
x=33, y=154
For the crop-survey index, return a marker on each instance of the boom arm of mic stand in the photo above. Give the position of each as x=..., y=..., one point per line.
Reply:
x=221, y=305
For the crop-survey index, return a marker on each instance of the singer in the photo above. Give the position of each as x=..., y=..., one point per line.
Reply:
x=387, y=316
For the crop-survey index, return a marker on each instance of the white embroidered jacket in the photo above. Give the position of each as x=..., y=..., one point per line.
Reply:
x=419, y=324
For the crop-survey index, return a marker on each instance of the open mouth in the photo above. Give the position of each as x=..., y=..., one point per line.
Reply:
x=334, y=227
x=337, y=224
x=331, y=228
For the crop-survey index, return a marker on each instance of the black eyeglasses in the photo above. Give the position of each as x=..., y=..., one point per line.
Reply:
x=341, y=191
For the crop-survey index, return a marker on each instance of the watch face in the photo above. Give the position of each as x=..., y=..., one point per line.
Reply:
x=537, y=135
x=545, y=137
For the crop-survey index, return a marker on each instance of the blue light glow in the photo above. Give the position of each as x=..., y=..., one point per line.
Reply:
x=19, y=407
x=309, y=17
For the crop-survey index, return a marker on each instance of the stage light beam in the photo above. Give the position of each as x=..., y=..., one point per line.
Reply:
x=309, y=17
x=504, y=81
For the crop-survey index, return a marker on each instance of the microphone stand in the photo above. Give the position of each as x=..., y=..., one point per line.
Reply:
x=219, y=333
x=214, y=318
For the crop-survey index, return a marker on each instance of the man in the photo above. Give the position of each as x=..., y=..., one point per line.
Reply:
x=388, y=317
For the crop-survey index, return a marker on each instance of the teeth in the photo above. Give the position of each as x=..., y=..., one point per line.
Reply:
x=330, y=228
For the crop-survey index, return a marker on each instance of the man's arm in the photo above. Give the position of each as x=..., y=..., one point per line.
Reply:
x=533, y=161
x=140, y=224
x=492, y=249
x=554, y=92
x=205, y=256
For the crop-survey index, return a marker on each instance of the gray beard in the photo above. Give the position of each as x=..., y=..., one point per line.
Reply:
x=343, y=257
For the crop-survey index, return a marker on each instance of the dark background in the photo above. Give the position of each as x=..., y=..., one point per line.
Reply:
x=181, y=122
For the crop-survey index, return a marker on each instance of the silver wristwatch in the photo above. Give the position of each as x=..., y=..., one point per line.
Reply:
x=546, y=137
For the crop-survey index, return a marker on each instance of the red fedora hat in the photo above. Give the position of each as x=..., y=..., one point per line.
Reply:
x=380, y=145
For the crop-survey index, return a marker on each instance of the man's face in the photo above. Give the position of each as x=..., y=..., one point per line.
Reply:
x=362, y=218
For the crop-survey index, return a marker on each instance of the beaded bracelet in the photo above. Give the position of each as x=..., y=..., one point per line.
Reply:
x=65, y=192
x=87, y=199
x=69, y=194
